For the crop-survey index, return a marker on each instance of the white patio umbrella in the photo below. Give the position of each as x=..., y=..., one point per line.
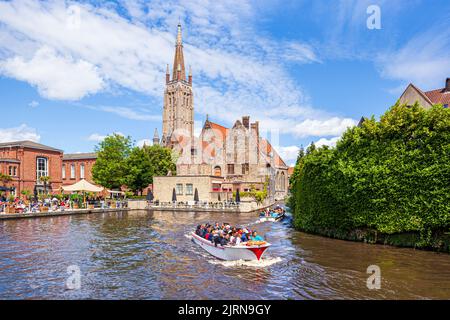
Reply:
x=84, y=186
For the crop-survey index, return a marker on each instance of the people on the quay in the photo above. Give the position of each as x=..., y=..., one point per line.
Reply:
x=224, y=234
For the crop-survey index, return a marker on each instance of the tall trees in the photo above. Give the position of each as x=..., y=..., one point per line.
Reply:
x=110, y=168
x=120, y=163
x=391, y=176
x=145, y=163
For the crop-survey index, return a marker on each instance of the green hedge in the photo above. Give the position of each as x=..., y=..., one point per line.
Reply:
x=390, y=176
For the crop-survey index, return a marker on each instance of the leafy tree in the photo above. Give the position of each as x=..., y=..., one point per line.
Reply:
x=139, y=174
x=162, y=160
x=390, y=176
x=146, y=162
x=110, y=169
x=46, y=181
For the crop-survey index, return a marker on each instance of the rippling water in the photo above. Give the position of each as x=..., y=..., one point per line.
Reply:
x=146, y=255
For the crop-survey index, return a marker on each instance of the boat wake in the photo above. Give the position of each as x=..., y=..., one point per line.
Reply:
x=263, y=263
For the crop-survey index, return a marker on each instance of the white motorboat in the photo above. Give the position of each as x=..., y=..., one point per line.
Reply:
x=232, y=253
x=272, y=218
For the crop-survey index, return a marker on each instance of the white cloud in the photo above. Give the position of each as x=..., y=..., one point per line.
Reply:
x=288, y=154
x=130, y=113
x=33, y=104
x=22, y=132
x=328, y=127
x=147, y=142
x=55, y=76
x=299, y=52
x=327, y=142
x=235, y=69
x=96, y=137
x=424, y=60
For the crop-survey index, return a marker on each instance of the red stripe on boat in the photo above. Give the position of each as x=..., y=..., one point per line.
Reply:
x=258, y=251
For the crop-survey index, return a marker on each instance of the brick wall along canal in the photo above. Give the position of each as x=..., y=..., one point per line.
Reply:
x=147, y=255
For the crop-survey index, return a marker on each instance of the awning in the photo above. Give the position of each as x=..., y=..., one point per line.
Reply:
x=83, y=185
x=217, y=182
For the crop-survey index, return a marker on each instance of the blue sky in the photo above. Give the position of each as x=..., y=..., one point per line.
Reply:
x=73, y=72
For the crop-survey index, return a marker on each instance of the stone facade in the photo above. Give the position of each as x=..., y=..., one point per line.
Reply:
x=238, y=155
x=208, y=188
x=178, y=110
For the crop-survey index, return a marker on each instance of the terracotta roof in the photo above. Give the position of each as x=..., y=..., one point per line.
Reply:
x=80, y=156
x=28, y=144
x=439, y=96
x=291, y=170
x=267, y=148
x=223, y=130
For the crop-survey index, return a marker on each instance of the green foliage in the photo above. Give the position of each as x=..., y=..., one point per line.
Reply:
x=5, y=179
x=391, y=176
x=145, y=163
x=110, y=168
x=258, y=195
x=120, y=163
x=26, y=193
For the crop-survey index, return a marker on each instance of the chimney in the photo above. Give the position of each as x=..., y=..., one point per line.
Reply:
x=246, y=121
x=447, y=84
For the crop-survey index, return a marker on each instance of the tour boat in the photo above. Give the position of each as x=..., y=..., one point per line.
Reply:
x=271, y=218
x=232, y=253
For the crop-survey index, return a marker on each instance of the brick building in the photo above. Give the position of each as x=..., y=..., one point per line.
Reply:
x=26, y=161
x=77, y=166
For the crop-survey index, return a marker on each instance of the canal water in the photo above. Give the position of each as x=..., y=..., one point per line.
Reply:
x=148, y=255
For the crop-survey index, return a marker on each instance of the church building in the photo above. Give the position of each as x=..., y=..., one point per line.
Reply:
x=221, y=160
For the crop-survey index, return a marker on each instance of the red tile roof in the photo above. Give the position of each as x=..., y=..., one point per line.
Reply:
x=439, y=96
x=291, y=170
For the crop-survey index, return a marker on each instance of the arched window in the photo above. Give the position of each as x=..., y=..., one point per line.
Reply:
x=218, y=171
x=283, y=181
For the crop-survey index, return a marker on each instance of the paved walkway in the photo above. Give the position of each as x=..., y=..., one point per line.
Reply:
x=4, y=216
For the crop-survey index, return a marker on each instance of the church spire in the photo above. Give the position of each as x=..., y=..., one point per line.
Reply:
x=156, y=137
x=179, y=72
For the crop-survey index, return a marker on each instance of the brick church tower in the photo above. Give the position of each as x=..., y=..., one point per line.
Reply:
x=178, y=110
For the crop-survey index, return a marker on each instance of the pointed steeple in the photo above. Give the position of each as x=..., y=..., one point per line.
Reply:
x=156, y=137
x=190, y=75
x=167, y=74
x=179, y=72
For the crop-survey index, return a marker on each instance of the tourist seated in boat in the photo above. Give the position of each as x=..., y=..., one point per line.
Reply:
x=235, y=239
x=256, y=237
x=245, y=235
